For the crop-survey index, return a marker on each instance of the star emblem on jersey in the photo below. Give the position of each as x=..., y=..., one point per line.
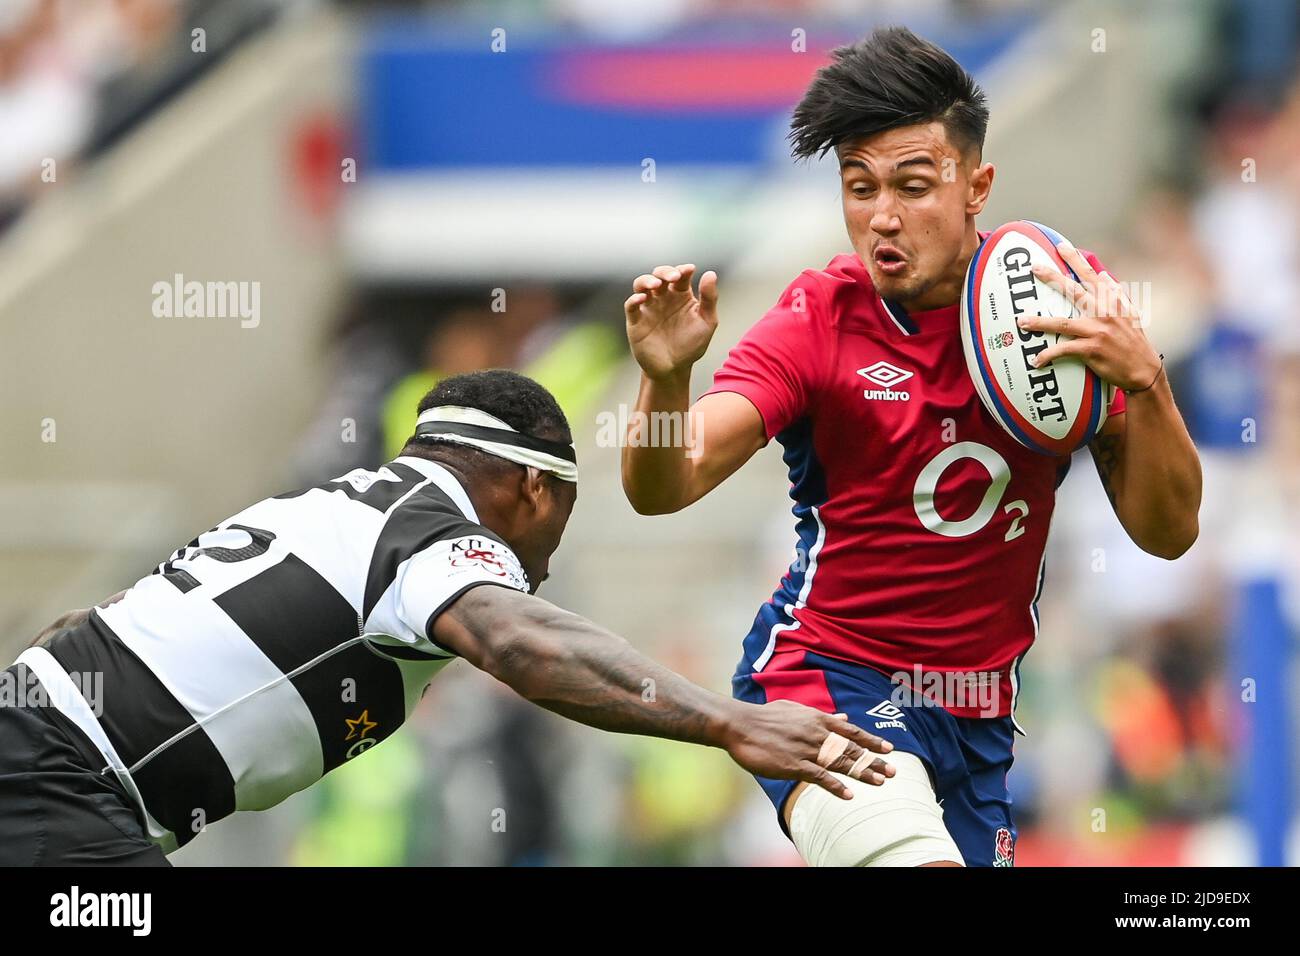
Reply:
x=888, y=376
x=363, y=724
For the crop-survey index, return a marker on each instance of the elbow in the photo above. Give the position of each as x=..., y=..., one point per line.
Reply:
x=644, y=507
x=1173, y=546
x=644, y=504
x=639, y=504
x=1184, y=544
x=639, y=501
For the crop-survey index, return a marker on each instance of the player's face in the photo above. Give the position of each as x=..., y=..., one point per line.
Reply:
x=910, y=199
x=549, y=503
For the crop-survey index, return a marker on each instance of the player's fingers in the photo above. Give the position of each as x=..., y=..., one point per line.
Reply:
x=632, y=306
x=873, y=771
x=832, y=749
x=1073, y=325
x=709, y=295
x=1105, y=278
x=866, y=767
x=646, y=283
x=1060, y=349
x=683, y=281
x=1128, y=308
x=1117, y=298
x=1063, y=284
x=1076, y=261
x=862, y=765
x=837, y=724
x=845, y=756
x=819, y=776
x=1113, y=290
x=668, y=273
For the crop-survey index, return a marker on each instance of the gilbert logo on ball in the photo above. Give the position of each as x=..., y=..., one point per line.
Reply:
x=1052, y=410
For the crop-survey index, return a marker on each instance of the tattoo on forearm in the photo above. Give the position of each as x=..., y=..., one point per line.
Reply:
x=609, y=695
x=603, y=684
x=570, y=666
x=1105, y=453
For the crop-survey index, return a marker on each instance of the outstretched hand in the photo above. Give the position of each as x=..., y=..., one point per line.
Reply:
x=785, y=740
x=668, y=325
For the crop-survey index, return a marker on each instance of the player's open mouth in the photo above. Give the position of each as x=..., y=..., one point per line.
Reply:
x=889, y=260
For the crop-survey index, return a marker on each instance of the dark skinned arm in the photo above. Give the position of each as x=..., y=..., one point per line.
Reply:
x=568, y=665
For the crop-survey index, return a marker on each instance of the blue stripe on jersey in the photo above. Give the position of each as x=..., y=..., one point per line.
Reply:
x=808, y=491
x=1033, y=612
x=901, y=317
x=1061, y=472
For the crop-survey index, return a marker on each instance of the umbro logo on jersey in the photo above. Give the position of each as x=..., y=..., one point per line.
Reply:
x=888, y=376
x=888, y=714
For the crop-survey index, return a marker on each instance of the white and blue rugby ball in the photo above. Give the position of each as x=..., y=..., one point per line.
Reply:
x=1052, y=410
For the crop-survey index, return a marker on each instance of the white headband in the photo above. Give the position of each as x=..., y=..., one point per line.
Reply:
x=487, y=433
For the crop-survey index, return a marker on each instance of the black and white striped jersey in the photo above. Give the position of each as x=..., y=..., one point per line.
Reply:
x=290, y=638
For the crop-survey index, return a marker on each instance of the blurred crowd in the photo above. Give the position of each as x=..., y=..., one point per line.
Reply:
x=76, y=74
x=1156, y=649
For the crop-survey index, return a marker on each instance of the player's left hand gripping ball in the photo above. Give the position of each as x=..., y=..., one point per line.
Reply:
x=1106, y=329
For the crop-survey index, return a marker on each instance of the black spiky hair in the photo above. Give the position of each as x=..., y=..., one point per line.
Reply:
x=891, y=78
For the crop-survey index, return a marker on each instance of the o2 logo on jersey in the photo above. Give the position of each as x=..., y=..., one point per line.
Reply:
x=1004, y=848
x=927, y=483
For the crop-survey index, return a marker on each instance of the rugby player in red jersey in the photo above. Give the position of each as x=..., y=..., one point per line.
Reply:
x=921, y=523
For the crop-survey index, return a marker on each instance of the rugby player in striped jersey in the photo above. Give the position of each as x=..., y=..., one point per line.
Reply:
x=300, y=632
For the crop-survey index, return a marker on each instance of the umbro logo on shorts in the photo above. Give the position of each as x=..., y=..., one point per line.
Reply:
x=888, y=714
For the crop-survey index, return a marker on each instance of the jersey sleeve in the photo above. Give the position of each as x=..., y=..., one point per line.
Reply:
x=774, y=363
x=1117, y=406
x=432, y=579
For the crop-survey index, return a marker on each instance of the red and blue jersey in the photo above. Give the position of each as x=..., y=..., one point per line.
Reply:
x=921, y=524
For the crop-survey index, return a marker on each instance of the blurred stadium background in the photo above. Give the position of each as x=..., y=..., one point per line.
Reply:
x=388, y=173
